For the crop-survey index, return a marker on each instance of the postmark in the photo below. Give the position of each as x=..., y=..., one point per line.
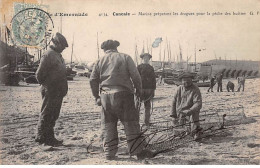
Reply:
x=32, y=27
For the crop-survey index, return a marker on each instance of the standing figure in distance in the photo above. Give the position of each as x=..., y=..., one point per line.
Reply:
x=148, y=84
x=186, y=104
x=219, y=82
x=51, y=74
x=212, y=83
x=112, y=82
x=241, y=83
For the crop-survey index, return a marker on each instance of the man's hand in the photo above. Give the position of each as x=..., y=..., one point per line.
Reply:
x=152, y=95
x=175, y=122
x=182, y=119
x=185, y=113
x=98, y=101
x=173, y=115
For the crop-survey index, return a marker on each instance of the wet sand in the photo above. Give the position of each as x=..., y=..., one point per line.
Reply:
x=79, y=125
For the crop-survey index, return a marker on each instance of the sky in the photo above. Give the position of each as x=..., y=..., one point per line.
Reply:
x=230, y=37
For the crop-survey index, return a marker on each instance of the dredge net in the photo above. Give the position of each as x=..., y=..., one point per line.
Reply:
x=163, y=136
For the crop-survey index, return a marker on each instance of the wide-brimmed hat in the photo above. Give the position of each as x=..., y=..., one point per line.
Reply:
x=59, y=38
x=186, y=75
x=146, y=54
x=109, y=45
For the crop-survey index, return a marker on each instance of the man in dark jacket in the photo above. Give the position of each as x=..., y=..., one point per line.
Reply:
x=51, y=74
x=212, y=83
x=116, y=74
x=219, y=82
x=230, y=86
x=148, y=84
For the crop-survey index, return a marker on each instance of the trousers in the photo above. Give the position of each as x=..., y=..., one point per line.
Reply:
x=241, y=85
x=211, y=87
x=50, y=112
x=191, y=123
x=193, y=120
x=219, y=88
x=147, y=95
x=120, y=106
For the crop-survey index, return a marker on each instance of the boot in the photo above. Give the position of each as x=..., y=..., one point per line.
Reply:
x=145, y=154
x=51, y=140
x=54, y=142
x=111, y=157
x=39, y=140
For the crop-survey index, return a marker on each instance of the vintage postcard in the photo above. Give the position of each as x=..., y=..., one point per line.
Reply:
x=129, y=82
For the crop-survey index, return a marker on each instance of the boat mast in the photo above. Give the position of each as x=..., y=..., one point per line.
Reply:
x=71, y=50
x=168, y=50
x=151, y=46
x=195, y=59
x=160, y=57
x=136, y=55
x=180, y=58
x=97, y=45
x=148, y=50
x=61, y=25
x=163, y=62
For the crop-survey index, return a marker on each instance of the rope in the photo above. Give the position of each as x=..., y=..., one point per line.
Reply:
x=144, y=100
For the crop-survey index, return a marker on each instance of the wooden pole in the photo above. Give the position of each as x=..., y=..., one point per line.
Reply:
x=61, y=25
x=136, y=55
x=160, y=59
x=97, y=45
x=195, y=58
x=71, y=50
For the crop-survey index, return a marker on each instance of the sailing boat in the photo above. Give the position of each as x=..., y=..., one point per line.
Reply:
x=177, y=72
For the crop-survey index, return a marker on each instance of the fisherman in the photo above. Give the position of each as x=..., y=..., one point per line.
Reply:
x=241, y=83
x=212, y=83
x=186, y=104
x=219, y=82
x=116, y=74
x=230, y=86
x=51, y=74
x=148, y=84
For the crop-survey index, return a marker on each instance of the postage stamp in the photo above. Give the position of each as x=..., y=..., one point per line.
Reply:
x=31, y=27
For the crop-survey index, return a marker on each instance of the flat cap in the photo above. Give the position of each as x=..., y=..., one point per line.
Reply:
x=110, y=44
x=145, y=54
x=60, y=39
x=186, y=75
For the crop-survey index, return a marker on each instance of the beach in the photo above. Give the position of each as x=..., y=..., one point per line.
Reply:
x=79, y=127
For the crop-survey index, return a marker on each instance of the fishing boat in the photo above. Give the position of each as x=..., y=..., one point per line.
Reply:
x=16, y=64
x=171, y=81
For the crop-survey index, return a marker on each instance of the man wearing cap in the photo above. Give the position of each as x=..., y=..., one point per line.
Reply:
x=148, y=84
x=186, y=104
x=51, y=74
x=116, y=74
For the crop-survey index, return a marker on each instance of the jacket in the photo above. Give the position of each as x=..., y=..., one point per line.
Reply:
x=148, y=76
x=189, y=99
x=115, y=70
x=51, y=73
